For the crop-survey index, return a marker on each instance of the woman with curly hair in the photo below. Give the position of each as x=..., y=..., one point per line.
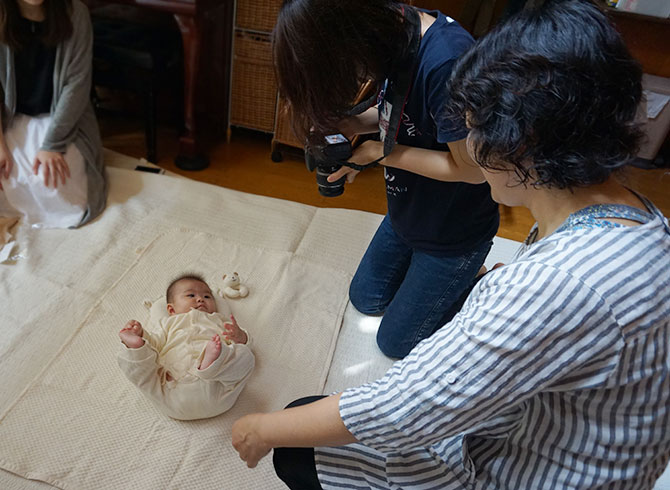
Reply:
x=555, y=373
x=51, y=168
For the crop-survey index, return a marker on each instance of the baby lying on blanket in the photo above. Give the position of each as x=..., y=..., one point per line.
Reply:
x=192, y=364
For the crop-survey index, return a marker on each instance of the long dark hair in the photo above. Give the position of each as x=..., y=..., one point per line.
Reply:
x=554, y=92
x=325, y=50
x=57, y=23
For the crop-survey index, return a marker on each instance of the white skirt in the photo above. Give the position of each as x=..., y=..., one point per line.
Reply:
x=25, y=193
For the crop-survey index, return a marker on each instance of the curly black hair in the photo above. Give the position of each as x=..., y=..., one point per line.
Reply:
x=553, y=92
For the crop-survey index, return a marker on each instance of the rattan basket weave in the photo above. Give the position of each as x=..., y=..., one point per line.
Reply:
x=254, y=89
x=257, y=15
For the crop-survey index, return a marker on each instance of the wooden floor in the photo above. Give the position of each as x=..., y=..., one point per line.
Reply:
x=244, y=164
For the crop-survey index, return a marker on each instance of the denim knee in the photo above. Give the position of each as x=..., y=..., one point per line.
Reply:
x=363, y=302
x=390, y=347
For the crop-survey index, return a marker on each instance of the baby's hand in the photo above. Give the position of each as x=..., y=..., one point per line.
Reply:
x=131, y=334
x=233, y=332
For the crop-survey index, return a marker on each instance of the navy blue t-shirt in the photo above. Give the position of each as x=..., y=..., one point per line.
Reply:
x=442, y=218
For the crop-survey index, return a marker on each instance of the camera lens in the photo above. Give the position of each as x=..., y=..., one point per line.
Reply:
x=329, y=189
x=322, y=154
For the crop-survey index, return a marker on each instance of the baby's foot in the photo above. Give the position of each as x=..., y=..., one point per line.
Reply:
x=131, y=335
x=212, y=352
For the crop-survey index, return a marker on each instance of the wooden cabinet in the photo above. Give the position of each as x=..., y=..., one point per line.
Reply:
x=647, y=38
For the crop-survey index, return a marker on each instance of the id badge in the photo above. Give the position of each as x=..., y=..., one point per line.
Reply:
x=384, y=119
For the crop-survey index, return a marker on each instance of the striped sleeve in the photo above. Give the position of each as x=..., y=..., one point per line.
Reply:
x=518, y=334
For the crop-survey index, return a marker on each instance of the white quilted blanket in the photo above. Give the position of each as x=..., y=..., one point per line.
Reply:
x=80, y=422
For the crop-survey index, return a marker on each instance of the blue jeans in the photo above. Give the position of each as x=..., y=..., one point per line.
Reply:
x=417, y=292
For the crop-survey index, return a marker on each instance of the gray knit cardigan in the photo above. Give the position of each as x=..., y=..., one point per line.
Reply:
x=72, y=116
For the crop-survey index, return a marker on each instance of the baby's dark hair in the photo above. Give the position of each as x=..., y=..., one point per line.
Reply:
x=553, y=92
x=170, y=289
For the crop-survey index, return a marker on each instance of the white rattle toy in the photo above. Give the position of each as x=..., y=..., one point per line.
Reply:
x=232, y=287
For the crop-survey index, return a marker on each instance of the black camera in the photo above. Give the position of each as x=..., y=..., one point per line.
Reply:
x=322, y=153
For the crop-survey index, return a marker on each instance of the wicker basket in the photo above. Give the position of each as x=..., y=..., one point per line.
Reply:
x=257, y=15
x=254, y=89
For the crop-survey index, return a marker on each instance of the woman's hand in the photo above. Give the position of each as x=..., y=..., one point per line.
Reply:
x=6, y=162
x=312, y=425
x=54, y=166
x=247, y=440
x=338, y=174
x=367, y=152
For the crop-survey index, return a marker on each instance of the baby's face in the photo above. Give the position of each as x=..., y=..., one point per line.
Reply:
x=191, y=294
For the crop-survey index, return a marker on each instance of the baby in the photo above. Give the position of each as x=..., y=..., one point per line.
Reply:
x=192, y=364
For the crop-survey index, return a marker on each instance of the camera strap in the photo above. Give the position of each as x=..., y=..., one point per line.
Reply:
x=399, y=85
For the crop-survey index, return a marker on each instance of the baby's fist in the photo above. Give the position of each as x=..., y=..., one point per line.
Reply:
x=131, y=334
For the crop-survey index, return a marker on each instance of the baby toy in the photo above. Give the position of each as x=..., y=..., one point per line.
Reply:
x=233, y=288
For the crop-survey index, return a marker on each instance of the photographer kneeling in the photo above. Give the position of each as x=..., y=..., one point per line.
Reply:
x=441, y=219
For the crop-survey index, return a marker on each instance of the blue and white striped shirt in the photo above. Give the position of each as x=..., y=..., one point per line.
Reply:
x=555, y=374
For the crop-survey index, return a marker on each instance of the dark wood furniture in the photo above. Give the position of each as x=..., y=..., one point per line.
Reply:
x=206, y=85
x=144, y=58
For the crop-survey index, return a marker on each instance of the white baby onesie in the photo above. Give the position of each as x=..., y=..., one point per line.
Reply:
x=176, y=345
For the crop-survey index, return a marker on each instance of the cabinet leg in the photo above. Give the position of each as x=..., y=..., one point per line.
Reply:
x=276, y=155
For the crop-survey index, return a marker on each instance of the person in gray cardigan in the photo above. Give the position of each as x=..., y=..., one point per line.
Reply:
x=57, y=68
